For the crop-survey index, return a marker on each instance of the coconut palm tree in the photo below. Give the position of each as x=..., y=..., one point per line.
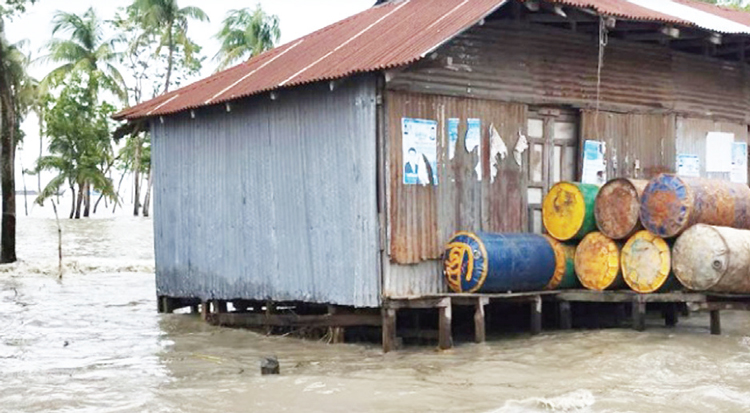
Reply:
x=170, y=23
x=245, y=34
x=85, y=51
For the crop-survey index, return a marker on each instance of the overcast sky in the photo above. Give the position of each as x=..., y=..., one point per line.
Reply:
x=297, y=18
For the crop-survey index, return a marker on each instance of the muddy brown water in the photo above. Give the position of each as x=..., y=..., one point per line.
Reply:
x=94, y=342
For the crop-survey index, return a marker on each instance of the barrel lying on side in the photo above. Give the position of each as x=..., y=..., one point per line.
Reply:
x=646, y=263
x=716, y=259
x=565, y=274
x=498, y=263
x=568, y=210
x=597, y=263
x=672, y=204
x=618, y=206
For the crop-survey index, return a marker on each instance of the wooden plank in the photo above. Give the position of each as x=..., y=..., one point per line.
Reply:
x=425, y=302
x=445, y=339
x=715, y=322
x=536, y=316
x=480, y=334
x=566, y=316
x=293, y=320
x=389, y=329
x=628, y=296
x=731, y=305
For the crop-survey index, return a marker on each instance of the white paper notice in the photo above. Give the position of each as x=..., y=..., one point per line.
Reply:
x=739, y=163
x=594, y=165
x=688, y=165
x=719, y=152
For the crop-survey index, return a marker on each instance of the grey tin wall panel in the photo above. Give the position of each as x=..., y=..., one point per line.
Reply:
x=273, y=200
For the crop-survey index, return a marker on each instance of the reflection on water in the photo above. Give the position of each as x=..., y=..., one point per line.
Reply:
x=94, y=342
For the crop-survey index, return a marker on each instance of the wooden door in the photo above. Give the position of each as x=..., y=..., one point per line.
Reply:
x=552, y=155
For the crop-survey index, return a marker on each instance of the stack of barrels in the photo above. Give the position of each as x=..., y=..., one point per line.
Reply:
x=649, y=236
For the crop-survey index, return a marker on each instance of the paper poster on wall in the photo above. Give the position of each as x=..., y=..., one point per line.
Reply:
x=594, y=164
x=719, y=152
x=688, y=165
x=473, y=140
x=739, y=163
x=452, y=136
x=419, y=138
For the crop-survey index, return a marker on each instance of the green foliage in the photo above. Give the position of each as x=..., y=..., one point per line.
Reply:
x=11, y=7
x=245, y=34
x=80, y=148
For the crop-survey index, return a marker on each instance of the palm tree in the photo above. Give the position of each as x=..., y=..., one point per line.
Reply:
x=245, y=34
x=86, y=51
x=170, y=22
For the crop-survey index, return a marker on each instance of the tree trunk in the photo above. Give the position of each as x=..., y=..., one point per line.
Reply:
x=87, y=200
x=25, y=197
x=170, y=44
x=79, y=201
x=7, y=160
x=41, y=149
x=117, y=194
x=147, y=199
x=137, y=176
x=73, y=201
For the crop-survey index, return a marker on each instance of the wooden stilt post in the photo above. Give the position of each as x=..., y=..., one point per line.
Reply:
x=671, y=315
x=480, y=332
x=337, y=333
x=445, y=333
x=536, y=315
x=389, y=328
x=566, y=317
x=639, y=314
x=205, y=309
x=160, y=304
x=715, y=322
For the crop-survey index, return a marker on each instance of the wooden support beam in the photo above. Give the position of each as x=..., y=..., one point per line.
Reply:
x=205, y=310
x=715, y=322
x=639, y=314
x=293, y=320
x=445, y=332
x=536, y=316
x=726, y=305
x=389, y=329
x=421, y=302
x=337, y=333
x=480, y=333
x=566, y=316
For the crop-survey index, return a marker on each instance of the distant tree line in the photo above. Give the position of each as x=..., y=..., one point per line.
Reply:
x=93, y=77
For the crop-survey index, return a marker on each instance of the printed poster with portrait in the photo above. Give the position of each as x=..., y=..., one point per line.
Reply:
x=419, y=138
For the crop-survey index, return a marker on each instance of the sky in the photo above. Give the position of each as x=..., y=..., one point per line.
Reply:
x=297, y=18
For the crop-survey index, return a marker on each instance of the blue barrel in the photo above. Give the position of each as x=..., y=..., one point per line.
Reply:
x=498, y=263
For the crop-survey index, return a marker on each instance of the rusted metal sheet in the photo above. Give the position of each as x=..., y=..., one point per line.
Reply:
x=618, y=207
x=543, y=65
x=717, y=259
x=421, y=218
x=691, y=139
x=498, y=263
x=568, y=210
x=389, y=35
x=639, y=146
x=646, y=263
x=672, y=204
x=412, y=280
x=597, y=263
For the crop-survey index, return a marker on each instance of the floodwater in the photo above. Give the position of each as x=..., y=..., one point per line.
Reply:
x=94, y=342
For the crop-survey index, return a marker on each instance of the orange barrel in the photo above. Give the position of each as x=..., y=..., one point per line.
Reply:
x=568, y=210
x=671, y=204
x=565, y=273
x=597, y=263
x=618, y=206
x=646, y=263
x=716, y=259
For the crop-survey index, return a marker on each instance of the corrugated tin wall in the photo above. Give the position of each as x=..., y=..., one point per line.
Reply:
x=638, y=145
x=422, y=218
x=518, y=62
x=274, y=200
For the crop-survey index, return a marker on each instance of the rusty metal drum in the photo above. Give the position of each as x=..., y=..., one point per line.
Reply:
x=565, y=274
x=715, y=259
x=568, y=210
x=671, y=204
x=497, y=263
x=646, y=263
x=597, y=263
x=618, y=206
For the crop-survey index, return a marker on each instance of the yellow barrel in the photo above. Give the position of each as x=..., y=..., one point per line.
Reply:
x=565, y=275
x=568, y=210
x=646, y=263
x=597, y=263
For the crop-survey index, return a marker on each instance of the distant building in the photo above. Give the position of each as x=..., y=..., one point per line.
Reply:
x=282, y=178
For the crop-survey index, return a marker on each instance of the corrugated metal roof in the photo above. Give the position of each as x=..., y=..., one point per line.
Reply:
x=395, y=34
